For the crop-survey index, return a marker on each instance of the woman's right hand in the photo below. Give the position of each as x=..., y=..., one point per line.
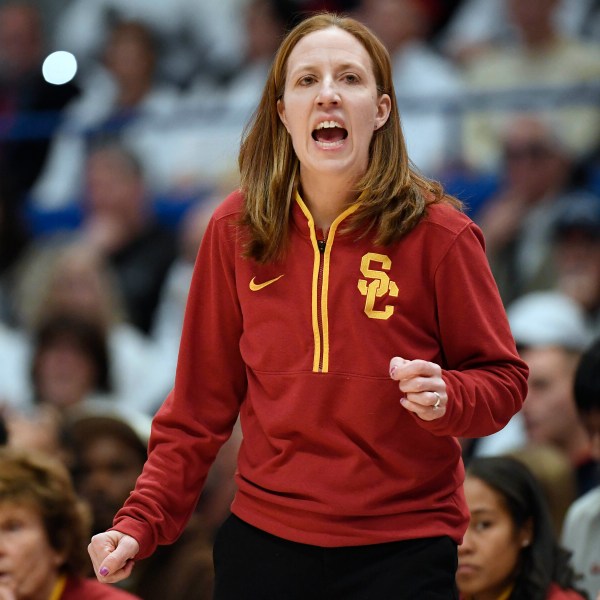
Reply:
x=112, y=554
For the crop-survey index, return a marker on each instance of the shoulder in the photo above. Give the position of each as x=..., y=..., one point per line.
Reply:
x=231, y=207
x=446, y=216
x=586, y=507
x=555, y=592
x=91, y=589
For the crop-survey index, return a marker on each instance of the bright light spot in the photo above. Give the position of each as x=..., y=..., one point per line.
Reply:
x=59, y=67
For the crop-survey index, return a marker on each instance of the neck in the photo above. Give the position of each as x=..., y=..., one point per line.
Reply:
x=326, y=200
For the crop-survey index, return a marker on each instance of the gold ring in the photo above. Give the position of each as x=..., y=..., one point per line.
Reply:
x=437, y=402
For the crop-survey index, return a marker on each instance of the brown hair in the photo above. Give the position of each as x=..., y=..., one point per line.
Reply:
x=391, y=194
x=44, y=484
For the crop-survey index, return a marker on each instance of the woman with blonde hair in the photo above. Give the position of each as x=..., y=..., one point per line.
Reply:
x=343, y=307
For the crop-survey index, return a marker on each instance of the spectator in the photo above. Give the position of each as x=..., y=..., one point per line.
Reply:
x=581, y=532
x=118, y=221
x=123, y=103
x=67, y=276
x=510, y=551
x=540, y=59
x=576, y=255
x=44, y=531
x=518, y=220
x=191, y=34
x=549, y=329
x=110, y=446
x=29, y=105
x=421, y=76
x=70, y=361
x=477, y=24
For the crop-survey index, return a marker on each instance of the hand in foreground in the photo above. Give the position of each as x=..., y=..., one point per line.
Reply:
x=112, y=555
x=422, y=386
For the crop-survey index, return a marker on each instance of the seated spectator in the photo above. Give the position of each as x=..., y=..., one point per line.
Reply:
x=66, y=276
x=477, y=24
x=428, y=85
x=119, y=223
x=70, y=361
x=28, y=103
x=510, y=551
x=191, y=35
x=44, y=533
x=109, y=449
x=575, y=258
x=581, y=532
x=541, y=59
x=124, y=103
x=518, y=220
x=550, y=333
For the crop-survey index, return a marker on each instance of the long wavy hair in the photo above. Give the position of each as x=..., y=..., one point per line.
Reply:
x=544, y=561
x=392, y=195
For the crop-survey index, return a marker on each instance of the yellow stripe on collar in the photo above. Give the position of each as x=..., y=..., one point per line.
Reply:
x=59, y=588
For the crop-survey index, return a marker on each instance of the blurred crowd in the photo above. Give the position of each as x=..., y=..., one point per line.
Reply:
x=107, y=183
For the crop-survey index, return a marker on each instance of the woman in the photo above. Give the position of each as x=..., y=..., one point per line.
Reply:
x=334, y=257
x=43, y=531
x=509, y=551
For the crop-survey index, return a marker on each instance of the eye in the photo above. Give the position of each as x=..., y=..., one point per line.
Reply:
x=351, y=78
x=306, y=80
x=482, y=525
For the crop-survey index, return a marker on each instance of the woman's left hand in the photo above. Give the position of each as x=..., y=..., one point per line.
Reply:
x=424, y=390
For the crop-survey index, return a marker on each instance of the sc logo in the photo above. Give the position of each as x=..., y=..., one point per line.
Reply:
x=378, y=286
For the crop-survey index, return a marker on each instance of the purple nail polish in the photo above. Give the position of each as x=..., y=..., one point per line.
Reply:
x=104, y=571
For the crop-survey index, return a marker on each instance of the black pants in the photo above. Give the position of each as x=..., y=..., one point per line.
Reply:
x=253, y=565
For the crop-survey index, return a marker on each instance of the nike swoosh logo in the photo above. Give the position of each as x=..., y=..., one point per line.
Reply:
x=259, y=286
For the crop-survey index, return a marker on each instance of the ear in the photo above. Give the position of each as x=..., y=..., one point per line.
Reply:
x=281, y=112
x=526, y=534
x=384, y=106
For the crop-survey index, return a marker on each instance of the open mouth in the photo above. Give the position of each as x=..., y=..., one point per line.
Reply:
x=329, y=134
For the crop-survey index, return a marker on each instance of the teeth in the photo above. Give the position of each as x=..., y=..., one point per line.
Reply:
x=328, y=125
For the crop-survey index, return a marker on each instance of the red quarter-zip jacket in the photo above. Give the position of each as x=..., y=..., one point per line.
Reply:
x=300, y=349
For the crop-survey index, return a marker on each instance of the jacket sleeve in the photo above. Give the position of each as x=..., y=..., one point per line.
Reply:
x=486, y=380
x=198, y=415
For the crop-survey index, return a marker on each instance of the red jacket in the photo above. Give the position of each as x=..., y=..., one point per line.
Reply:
x=301, y=349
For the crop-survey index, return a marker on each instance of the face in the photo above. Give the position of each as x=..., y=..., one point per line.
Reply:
x=489, y=554
x=107, y=470
x=330, y=105
x=65, y=374
x=549, y=409
x=28, y=564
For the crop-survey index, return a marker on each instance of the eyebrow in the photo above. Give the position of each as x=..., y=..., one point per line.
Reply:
x=342, y=67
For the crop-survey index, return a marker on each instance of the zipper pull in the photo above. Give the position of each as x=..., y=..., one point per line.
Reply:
x=321, y=244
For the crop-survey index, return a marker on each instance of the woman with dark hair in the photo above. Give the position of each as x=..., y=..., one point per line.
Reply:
x=70, y=361
x=342, y=306
x=43, y=533
x=510, y=551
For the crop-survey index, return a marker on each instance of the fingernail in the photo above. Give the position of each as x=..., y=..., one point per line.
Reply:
x=392, y=370
x=104, y=571
x=403, y=401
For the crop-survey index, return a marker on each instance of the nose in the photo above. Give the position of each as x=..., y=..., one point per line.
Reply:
x=467, y=544
x=328, y=93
